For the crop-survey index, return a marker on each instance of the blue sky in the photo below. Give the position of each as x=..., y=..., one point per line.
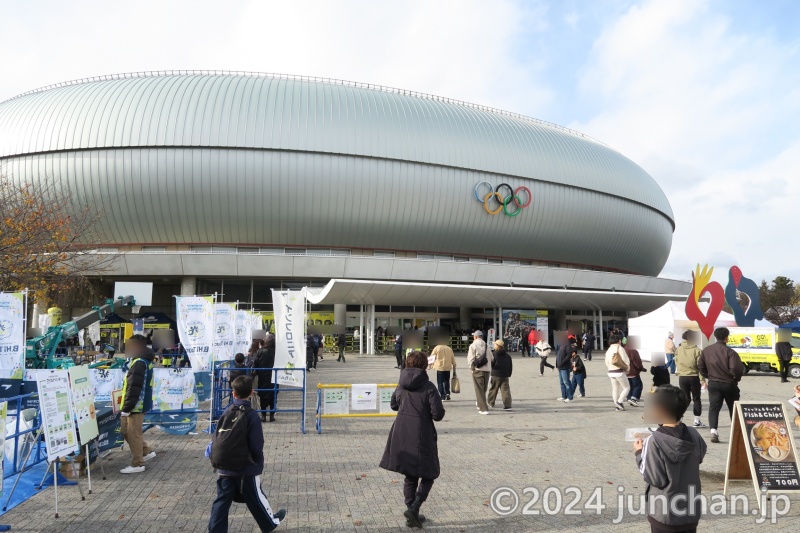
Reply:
x=703, y=94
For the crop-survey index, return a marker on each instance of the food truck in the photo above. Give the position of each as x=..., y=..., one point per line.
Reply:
x=756, y=347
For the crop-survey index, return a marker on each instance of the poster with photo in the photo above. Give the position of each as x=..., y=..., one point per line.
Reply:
x=83, y=403
x=769, y=439
x=58, y=419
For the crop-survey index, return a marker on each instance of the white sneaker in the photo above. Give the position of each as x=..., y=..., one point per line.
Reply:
x=483, y=412
x=581, y=395
x=149, y=456
x=699, y=424
x=560, y=399
x=567, y=400
x=132, y=470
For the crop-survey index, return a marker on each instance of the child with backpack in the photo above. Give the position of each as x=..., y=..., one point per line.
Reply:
x=237, y=453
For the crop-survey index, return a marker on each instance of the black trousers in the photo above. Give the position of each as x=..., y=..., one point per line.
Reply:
x=249, y=489
x=399, y=356
x=690, y=385
x=784, y=369
x=719, y=392
x=543, y=364
x=415, y=487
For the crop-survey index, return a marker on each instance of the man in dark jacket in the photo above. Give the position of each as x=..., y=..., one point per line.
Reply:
x=411, y=448
x=265, y=358
x=564, y=367
x=501, y=372
x=784, y=350
x=137, y=399
x=341, y=342
x=723, y=369
x=398, y=350
x=245, y=483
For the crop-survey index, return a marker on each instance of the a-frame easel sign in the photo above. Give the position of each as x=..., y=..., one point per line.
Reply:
x=762, y=449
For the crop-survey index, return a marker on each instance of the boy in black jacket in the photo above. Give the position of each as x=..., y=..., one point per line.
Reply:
x=244, y=484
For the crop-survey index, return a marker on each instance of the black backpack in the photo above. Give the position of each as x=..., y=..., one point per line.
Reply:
x=229, y=449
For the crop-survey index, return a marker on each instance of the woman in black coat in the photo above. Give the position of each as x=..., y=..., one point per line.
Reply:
x=411, y=449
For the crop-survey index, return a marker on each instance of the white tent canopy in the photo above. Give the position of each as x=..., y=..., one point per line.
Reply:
x=651, y=330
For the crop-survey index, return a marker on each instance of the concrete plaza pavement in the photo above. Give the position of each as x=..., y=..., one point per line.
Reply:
x=332, y=482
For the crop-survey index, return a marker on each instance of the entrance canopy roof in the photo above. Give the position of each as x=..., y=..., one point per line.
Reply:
x=355, y=292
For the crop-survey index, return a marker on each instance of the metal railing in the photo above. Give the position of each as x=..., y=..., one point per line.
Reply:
x=223, y=393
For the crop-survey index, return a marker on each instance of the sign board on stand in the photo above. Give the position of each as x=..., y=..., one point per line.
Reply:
x=335, y=401
x=57, y=415
x=83, y=403
x=365, y=397
x=761, y=449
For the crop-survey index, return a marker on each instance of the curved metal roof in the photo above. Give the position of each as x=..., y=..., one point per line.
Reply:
x=273, y=112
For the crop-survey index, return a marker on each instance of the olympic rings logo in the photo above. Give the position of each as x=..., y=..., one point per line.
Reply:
x=512, y=200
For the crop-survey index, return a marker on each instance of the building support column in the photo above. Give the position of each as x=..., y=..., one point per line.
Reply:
x=602, y=342
x=500, y=324
x=372, y=329
x=361, y=330
x=340, y=314
x=189, y=286
x=465, y=318
x=594, y=328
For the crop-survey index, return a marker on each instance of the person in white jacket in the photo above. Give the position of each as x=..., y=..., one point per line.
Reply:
x=620, y=386
x=543, y=350
x=480, y=374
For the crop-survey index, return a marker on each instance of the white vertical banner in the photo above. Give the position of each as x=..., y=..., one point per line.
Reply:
x=196, y=329
x=94, y=332
x=223, y=332
x=290, y=339
x=243, y=332
x=257, y=321
x=12, y=334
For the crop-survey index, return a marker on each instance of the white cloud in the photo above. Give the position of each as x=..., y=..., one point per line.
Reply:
x=705, y=110
x=460, y=49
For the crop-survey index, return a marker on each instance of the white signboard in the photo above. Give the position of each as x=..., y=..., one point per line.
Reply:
x=104, y=381
x=365, y=397
x=196, y=329
x=335, y=401
x=256, y=321
x=386, y=399
x=56, y=410
x=290, y=341
x=223, y=332
x=83, y=403
x=243, y=332
x=12, y=334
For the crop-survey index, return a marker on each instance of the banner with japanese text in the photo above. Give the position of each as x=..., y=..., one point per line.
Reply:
x=196, y=329
x=224, y=331
x=243, y=334
x=290, y=344
x=12, y=334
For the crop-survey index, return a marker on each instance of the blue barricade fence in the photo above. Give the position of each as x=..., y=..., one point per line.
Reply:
x=26, y=426
x=223, y=397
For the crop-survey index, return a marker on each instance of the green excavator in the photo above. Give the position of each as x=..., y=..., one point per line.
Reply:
x=41, y=352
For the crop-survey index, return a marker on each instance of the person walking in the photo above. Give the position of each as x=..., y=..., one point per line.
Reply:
x=784, y=351
x=543, y=350
x=341, y=342
x=564, y=367
x=669, y=348
x=617, y=364
x=315, y=345
x=309, y=353
x=444, y=362
x=634, y=379
x=686, y=358
x=723, y=369
x=479, y=360
x=578, y=374
x=237, y=453
x=588, y=345
x=524, y=347
x=137, y=399
x=398, y=350
x=411, y=448
x=501, y=373
x=265, y=359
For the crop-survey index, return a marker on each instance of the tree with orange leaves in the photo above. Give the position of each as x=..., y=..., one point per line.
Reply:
x=44, y=239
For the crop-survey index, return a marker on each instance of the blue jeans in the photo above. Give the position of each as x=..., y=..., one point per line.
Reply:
x=249, y=489
x=636, y=388
x=566, y=385
x=671, y=362
x=577, y=383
